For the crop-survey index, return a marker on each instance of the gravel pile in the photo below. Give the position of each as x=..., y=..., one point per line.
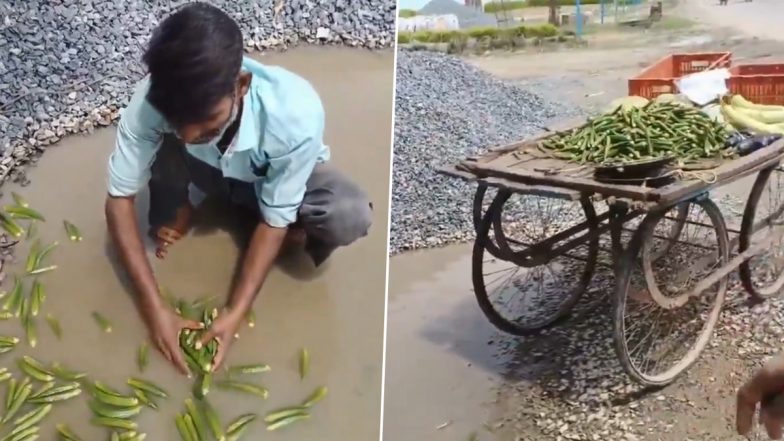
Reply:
x=567, y=383
x=445, y=110
x=67, y=66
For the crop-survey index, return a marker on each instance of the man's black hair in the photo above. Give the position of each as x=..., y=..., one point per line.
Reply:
x=194, y=57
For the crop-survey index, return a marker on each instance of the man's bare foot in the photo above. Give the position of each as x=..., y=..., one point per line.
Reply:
x=295, y=237
x=167, y=235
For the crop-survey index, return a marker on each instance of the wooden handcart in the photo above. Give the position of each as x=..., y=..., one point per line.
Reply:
x=538, y=243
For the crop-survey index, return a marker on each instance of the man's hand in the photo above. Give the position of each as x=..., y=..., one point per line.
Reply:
x=165, y=326
x=223, y=330
x=766, y=384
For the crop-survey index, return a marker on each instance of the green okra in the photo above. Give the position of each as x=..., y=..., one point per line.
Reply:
x=19, y=212
x=62, y=389
x=102, y=322
x=19, y=200
x=315, y=397
x=35, y=369
x=108, y=396
x=148, y=387
x=182, y=428
x=250, y=317
x=54, y=325
x=5, y=315
x=240, y=423
x=288, y=421
x=14, y=301
x=37, y=297
x=43, y=270
x=46, y=387
x=32, y=256
x=102, y=410
x=43, y=253
x=142, y=357
x=114, y=423
x=304, y=362
x=66, y=434
x=20, y=396
x=203, y=302
x=198, y=418
x=144, y=399
x=114, y=436
x=31, y=331
x=54, y=398
x=66, y=374
x=32, y=230
x=249, y=369
x=253, y=389
x=10, y=392
x=191, y=427
x=11, y=226
x=31, y=418
x=132, y=435
x=29, y=434
x=72, y=231
x=203, y=385
x=5, y=376
x=213, y=421
x=284, y=413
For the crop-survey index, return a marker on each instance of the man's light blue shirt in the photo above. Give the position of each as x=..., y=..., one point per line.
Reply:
x=281, y=133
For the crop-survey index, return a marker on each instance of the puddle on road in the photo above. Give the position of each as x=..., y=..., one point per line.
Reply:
x=336, y=312
x=440, y=367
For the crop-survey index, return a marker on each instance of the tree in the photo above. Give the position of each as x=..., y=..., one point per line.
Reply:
x=553, y=13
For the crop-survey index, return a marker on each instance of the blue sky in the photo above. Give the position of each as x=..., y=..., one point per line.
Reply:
x=412, y=4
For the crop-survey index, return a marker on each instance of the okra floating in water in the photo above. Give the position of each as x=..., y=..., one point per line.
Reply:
x=31, y=331
x=43, y=253
x=54, y=325
x=66, y=434
x=37, y=296
x=259, y=391
x=284, y=413
x=213, y=420
x=19, y=200
x=237, y=427
x=19, y=212
x=66, y=374
x=31, y=229
x=105, y=325
x=304, y=363
x=32, y=255
x=147, y=387
x=315, y=397
x=73, y=233
x=249, y=369
x=142, y=357
x=45, y=269
x=35, y=369
x=288, y=420
x=11, y=226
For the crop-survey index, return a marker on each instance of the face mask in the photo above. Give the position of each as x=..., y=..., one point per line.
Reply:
x=216, y=138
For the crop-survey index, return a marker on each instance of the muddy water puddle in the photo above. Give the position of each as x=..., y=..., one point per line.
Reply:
x=441, y=370
x=337, y=311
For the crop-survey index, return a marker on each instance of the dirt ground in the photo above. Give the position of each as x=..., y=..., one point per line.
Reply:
x=336, y=311
x=450, y=373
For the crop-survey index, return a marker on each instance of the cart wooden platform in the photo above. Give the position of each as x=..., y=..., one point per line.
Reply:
x=539, y=237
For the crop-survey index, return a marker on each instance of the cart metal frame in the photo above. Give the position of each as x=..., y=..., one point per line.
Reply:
x=517, y=170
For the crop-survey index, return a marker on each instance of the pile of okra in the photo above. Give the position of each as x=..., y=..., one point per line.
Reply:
x=653, y=131
x=31, y=397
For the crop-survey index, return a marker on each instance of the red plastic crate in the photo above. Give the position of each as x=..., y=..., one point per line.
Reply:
x=758, y=83
x=660, y=77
